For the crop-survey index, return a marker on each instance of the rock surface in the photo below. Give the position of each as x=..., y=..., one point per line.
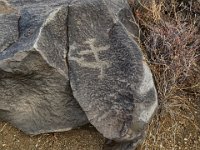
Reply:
x=108, y=74
x=34, y=85
x=8, y=25
x=92, y=41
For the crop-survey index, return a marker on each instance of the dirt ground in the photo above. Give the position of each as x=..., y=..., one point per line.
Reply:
x=85, y=138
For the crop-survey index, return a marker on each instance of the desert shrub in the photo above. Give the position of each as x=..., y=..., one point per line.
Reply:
x=171, y=42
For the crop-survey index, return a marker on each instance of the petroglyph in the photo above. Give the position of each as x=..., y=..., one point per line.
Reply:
x=97, y=64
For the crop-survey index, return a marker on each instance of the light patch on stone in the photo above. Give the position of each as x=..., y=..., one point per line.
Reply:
x=18, y=57
x=97, y=64
x=36, y=47
x=51, y=16
x=148, y=111
x=105, y=115
x=62, y=130
x=147, y=82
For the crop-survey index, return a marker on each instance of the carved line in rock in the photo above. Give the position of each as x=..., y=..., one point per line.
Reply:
x=97, y=64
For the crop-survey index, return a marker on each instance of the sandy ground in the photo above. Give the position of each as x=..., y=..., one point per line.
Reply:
x=85, y=138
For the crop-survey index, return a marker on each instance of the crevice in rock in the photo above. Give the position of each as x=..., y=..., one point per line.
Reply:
x=67, y=27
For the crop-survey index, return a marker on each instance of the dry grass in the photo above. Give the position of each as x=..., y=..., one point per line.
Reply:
x=172, y=50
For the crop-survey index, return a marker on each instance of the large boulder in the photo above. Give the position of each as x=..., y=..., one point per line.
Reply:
x=92, y=41
x=108, y=74
x=35, y=94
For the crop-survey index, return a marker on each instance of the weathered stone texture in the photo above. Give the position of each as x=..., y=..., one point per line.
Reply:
x=8, y=25
x=92, y=41
x=108, y=74
x=34, y=86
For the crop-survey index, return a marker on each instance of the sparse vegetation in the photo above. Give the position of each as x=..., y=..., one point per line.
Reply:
x=171, y=41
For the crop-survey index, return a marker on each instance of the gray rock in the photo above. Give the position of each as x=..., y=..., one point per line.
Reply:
x=8, y=25
x=108, y=73
x=34, y=86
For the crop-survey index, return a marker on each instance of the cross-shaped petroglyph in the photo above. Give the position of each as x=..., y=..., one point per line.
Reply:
x=97, y=64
